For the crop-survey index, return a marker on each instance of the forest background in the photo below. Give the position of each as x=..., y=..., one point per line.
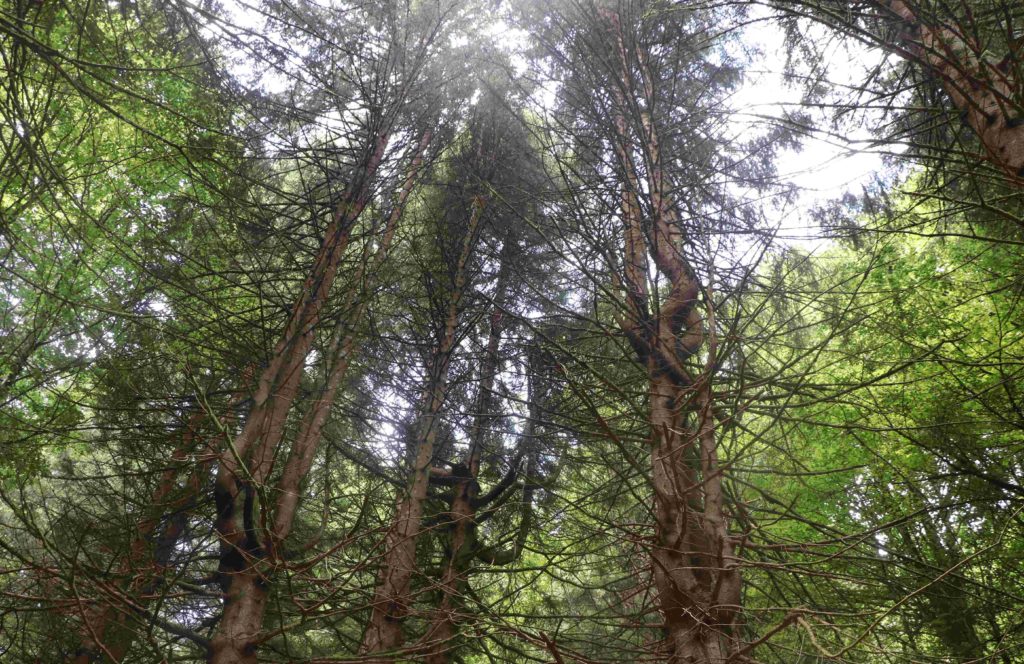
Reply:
x=452, y=331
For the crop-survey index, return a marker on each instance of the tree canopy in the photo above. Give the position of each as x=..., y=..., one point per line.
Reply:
x=472, y=332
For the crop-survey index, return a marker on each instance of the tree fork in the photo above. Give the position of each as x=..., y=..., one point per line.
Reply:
x=392, y=598
x=246, y=598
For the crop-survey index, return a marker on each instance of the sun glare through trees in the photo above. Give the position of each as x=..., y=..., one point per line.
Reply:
x=511, y=331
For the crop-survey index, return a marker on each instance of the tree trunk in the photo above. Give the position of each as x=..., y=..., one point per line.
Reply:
x=985, y=92
x=106, y=630
x=392, y=597
x=693, y=562
x=241, y=474
x=300, y=459
x=248, y=593
x=463, y=507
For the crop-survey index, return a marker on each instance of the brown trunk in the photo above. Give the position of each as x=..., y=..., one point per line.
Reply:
x=247, y=595
x=106, y=631
x=300, y=459
x=440, y=637
x=247, y=592
x=985, y=92
x=392, y=597
x=462, y=511
x=693, y=563
x=439, y=640
x=240, y=474
x=104, y=617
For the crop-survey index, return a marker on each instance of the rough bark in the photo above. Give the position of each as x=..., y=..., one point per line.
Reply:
x=986, y=92
x=392, y=597
x=252, y=557
x=693, y=563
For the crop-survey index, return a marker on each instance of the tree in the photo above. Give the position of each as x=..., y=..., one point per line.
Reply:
x=638, y=134
x=487, y=173
x=466, y=332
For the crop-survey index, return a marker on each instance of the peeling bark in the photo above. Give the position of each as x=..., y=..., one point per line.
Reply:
x=986, y=92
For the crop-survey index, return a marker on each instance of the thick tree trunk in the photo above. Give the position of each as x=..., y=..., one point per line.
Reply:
x=989, y=99
x=245, y=465
x=247, y=593
x=392, y=597
x=693, y=563
x=240, y=473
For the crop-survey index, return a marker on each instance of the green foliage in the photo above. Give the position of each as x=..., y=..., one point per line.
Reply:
x=159, y=215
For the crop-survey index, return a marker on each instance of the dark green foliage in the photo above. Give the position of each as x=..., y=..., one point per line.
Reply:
x=162, y=201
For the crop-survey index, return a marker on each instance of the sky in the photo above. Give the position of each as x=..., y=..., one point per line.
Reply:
x=824, y=167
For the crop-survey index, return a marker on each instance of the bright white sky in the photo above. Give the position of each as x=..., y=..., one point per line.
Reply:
x=827, y=165
x=824, y=168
